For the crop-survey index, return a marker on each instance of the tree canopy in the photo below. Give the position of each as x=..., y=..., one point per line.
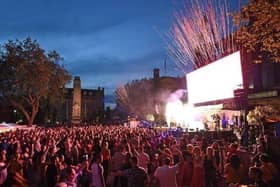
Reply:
x=29, y=74
x=259, y=29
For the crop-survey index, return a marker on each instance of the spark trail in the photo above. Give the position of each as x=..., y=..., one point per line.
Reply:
x=201, y=33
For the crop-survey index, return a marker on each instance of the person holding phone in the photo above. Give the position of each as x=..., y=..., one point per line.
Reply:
x=3, y=169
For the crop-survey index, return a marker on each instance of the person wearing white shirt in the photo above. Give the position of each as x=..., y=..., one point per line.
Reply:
x=166, y=174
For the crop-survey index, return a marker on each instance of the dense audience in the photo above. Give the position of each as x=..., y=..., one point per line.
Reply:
x=99, y=156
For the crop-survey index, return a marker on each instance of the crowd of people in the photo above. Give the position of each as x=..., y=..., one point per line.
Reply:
x=117, y=156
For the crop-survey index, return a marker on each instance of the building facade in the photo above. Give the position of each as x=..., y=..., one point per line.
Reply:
x=81, y=105
x=78, y=106
x=261, y=84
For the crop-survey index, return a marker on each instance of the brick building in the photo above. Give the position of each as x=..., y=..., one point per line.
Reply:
x=91, y=105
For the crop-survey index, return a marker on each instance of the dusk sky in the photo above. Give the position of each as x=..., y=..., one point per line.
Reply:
x=105, y=42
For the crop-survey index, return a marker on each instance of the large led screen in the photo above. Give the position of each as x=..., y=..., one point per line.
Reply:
x=215, y=81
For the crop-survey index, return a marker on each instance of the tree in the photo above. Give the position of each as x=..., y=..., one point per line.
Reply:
x=260, y=114
x=29, y=74
x=259, y=29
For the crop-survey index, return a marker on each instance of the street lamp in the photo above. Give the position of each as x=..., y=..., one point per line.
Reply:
x=15, y=114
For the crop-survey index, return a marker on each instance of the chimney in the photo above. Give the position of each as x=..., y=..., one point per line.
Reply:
x=156, y=78
x=156, y=74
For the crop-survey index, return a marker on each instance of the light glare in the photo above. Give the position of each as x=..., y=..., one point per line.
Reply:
x=215, y=81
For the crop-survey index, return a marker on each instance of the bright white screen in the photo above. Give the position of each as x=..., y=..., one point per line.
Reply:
x=215, y=81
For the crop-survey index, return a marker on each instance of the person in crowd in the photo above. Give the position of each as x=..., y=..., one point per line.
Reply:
x=16, y=164
x=106, y=154
x=136, y=176
x=45, y=156
x=233, y=150
x=71, y=177
x=96, y=146
x=257, y=154
x=218, y=153
x=4, y=145
x=210, y=168
x=126, y=165
x=255, y=175
x=143, y=158
x=234, y=170
x=176, y=152
x=195, y=140
x=184, y=175
x=75, y=154
x=3, y=168
x=245, y=159
x=269, y=171
x=52, y=172
x=166, y=174
x=117, y=160
x=198, y=176
x=155, y=163
x=15, y=180
x=97, y=171
x=61, y=184
x=85, y=177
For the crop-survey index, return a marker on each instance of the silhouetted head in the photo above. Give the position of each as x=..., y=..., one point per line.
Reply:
x=235, y=161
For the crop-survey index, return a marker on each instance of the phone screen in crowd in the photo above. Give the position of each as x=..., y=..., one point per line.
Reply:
x=85, y=157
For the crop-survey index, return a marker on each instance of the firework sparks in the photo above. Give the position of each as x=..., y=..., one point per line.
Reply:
x=135, y=98
x=201, y=33
x=122, y=97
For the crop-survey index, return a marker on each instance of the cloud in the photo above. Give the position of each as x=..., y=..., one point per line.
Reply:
x=104, y=64
x=107, y=43
x=63, y=17
x=59, y=26
x=111, y=72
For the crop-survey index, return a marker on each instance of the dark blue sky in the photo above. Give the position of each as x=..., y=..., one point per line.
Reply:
x=105, y=42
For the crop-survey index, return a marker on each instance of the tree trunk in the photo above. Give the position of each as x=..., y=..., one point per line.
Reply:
x=29, y=117
x=34, y=112
x=29, y=122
